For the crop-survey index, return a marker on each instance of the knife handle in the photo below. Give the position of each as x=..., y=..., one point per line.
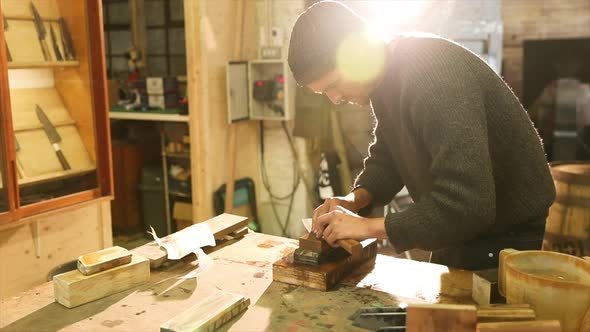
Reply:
x=45, y=50
x=62, y=160
x=353, y=247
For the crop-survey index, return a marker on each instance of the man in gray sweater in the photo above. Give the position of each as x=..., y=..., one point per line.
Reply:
x=447, y=127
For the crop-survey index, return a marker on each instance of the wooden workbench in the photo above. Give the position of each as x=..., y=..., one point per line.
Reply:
x=243, y=267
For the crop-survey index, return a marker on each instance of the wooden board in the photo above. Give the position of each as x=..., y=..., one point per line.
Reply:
x=325, y=276
x=72, y=289
x=485, y=287
x=23, y=103
x=153, y=252
x=531, y=326
x=102, y=260
x=22, y=41
x=507, y=314
x=38, y=157
x=440, y=317
x=209, y=314
x=225, y=224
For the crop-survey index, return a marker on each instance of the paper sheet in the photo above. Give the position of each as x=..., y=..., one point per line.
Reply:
x=187, y=241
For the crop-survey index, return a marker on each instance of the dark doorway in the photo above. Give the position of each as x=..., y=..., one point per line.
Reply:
x=545, y=61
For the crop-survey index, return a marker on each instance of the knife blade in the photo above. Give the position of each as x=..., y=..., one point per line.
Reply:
x=5, y=22
x=41, y=32
x=353, y=247
x=56, y=50
x=53, y=136
x=66, y=39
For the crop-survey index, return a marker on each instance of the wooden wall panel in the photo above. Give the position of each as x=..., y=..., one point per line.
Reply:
x=57, y=238
x=209, y=27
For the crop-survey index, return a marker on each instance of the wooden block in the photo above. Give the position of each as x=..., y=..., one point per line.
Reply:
x=226, y=223
x=499, y=314
x=239, y=233
x=504, y=306
x=209, y=314
x=152, y=251
x=221, y=226
x=72, y=288
x=485, y=287
x=529, y=326
x=102, y=260
x=234, y=235
x=326, y=275
x=310, y=242
x=440, y=317
x=351, y=246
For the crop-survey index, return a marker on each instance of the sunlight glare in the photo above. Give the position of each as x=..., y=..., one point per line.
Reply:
x=361, y=57
x=388, y=16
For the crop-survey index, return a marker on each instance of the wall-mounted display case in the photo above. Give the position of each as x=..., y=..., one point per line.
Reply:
x=54, y=130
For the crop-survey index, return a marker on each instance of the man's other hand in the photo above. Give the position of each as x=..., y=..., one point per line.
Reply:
x=330, y=205
x=341, y=223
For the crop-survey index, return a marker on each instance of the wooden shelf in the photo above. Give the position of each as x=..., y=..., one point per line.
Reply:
x=42, y=64
x=144, y=116
x=178, y=194
x=54, y=176
x=183, y=155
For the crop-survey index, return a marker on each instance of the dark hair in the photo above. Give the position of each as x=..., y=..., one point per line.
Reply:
x=315, y=38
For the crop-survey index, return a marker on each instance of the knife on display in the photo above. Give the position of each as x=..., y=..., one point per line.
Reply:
x=41, y=32
x=66, y=39
x=5, y=22
x=56, y=50
x=53, y=136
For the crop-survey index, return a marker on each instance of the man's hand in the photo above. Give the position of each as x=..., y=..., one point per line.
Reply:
x=353, y=202
x=343, y=224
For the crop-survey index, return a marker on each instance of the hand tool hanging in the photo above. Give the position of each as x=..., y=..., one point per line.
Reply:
x=53, y=136
x=5, y=21
x=41, y=32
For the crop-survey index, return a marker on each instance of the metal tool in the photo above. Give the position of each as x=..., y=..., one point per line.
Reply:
x=53, y=136
x=390, y=318
x=5, y=21
x=41, y=32
x=66, y=39
x=56, y=50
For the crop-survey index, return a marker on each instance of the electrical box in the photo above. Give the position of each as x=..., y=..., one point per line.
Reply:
x=260, y=90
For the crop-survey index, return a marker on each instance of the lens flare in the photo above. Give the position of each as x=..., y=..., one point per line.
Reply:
x=361, y=57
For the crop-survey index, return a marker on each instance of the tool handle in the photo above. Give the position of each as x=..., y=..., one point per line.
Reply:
x=45, y=50
x=62, y=160
x=353, y=247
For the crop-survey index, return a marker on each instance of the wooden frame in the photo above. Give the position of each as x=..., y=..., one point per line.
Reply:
x=87, y=34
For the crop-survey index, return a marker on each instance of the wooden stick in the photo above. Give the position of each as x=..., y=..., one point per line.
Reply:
x=231, y=136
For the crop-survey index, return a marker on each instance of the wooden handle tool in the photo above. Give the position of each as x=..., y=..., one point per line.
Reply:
x=353, y=247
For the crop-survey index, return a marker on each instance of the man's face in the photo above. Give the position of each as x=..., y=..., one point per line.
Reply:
x=339, y=89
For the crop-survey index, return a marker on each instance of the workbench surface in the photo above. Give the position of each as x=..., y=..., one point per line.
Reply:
x=243, y=267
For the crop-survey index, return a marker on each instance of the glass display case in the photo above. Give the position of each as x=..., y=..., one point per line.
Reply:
x=55, y=128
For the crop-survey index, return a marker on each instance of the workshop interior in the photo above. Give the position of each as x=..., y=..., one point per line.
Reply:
x=164, y=168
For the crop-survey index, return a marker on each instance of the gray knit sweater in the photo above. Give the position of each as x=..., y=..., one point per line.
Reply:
x=451, y=131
